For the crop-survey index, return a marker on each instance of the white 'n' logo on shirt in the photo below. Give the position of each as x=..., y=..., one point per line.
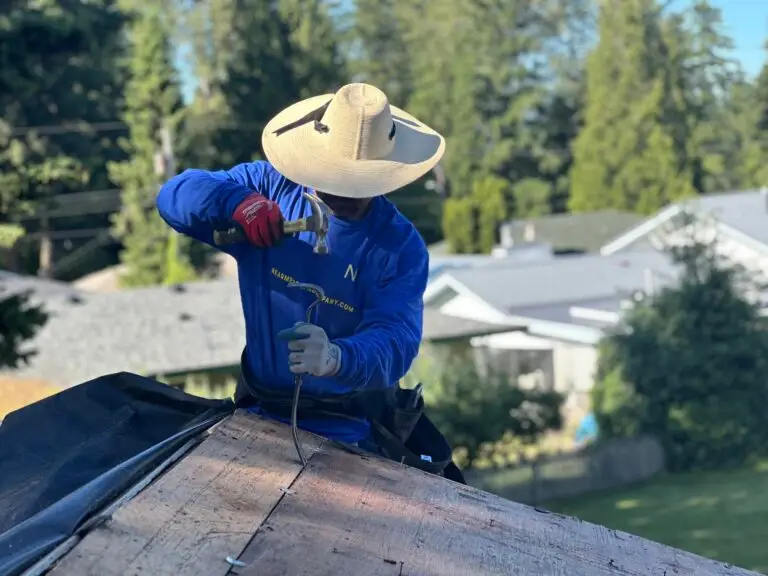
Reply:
x=351, y=273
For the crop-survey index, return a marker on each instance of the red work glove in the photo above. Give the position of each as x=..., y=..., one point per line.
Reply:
x=261, y=220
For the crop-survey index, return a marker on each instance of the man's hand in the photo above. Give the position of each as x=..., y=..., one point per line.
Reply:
x=311, y=351
x=261, y=220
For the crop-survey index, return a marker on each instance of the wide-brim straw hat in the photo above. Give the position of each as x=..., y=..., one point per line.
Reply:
x=353, y=143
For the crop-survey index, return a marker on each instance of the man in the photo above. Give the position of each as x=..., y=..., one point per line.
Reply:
x=350, y=148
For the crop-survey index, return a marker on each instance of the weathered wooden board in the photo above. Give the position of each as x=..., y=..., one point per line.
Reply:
x=201, y=511
x=346, y=514
x=364, y=516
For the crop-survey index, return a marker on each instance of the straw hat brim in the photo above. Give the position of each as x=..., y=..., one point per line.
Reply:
x=301, y=155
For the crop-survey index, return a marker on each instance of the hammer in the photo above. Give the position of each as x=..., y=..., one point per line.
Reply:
x=317, y=223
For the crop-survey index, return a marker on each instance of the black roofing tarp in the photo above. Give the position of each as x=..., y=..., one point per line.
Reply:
x=65, y=457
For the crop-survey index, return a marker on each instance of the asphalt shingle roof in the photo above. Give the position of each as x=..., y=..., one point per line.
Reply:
x=585, y=232
x=154, y=330
x=746, y=211
x=160, y=330
x=439, y=326
x=565, y=279
x=42, y=289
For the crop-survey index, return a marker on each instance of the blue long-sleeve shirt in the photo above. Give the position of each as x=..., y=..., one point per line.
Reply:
x=374, y=279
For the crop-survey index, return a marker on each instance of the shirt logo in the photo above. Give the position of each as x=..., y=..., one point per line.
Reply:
x=351, y=273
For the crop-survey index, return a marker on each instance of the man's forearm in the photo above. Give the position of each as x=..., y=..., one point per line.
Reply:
x=195, y=201
x=375, y=358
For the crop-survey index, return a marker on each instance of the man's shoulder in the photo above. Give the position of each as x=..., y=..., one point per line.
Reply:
x=265, y=178
x=255, y=170
x=400, y=234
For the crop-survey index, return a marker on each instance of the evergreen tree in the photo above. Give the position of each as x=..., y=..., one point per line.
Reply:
x=152, y=102
x=744, y=151
x=703, y=75
x=58, y=68
x=632, y=151
x=378, y=50
x=748, y=114
x=19, y=321
x=491, y=92
x=252, y=59
x=316, y=63
x=688, y=365
x=207, y=31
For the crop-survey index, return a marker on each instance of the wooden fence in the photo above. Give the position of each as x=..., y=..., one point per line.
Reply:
x=608, y=465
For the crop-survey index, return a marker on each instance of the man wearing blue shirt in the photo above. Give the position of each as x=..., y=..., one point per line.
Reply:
x=350, y=148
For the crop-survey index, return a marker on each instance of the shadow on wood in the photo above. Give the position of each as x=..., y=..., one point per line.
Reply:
x=243, y=494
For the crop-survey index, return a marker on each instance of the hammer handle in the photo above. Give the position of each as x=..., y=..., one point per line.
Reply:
x=235, y=234
x=226, y=237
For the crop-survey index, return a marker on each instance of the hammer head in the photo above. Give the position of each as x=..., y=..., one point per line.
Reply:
x=319, y=221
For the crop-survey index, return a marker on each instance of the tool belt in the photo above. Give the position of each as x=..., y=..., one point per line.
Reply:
x=398, y=424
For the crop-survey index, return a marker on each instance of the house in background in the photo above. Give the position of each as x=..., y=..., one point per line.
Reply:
x=580, y=233
x=564, y=233
x=189, y=335
x=538, y=240
x=560, y=309
x=565, y=305
x=739, y=220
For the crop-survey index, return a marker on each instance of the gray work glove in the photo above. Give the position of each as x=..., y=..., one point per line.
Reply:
x=311, y=351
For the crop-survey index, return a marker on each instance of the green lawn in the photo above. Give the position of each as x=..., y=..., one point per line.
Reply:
x=721, y=515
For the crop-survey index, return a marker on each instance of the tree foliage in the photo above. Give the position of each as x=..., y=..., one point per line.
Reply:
x=153, y=102
x=546, y=106
x=475, y=411
x=19, y=321
x=689, y=365
x=57, y=68
x=630, y=154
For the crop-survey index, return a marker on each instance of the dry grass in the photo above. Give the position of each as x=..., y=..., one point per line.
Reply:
x=16, y=393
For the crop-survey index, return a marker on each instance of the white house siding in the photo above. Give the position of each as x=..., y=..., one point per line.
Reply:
x=472, y=308
x=730, y=245
x=565, y=367
x=553, y=364
x=574, y=367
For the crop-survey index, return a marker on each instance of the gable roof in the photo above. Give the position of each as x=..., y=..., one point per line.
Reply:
x=108, y=279
x=745, y=213
x=581, y=232
x=157, y=330
x=441, y=327
x=164, y=330
x=585, y=232
x=513, y=289
x=41, y=288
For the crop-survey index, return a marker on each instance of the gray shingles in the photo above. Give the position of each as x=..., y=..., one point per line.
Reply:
x=439, y=326
x=745, y=211
x=160, y=331
x=41, y=288
x=561, y=312
x=585, y=232
x=565, y=279
x=149, y=331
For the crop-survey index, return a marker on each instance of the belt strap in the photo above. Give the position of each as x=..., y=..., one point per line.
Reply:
x=399, y=426
x=251, y=392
